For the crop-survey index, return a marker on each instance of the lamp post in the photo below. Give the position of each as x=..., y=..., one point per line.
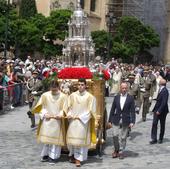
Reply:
x=110, y=22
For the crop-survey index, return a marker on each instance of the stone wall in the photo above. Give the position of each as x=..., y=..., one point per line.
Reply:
x=167, y=46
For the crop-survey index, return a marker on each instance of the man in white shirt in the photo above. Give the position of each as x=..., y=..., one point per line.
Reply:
x=122, y=114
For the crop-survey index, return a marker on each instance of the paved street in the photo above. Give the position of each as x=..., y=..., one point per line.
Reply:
x=19, y=150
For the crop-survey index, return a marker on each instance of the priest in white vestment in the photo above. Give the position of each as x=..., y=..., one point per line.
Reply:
x=51, y=131
x=81, y=108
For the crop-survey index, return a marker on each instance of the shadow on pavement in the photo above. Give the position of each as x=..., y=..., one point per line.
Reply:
x=129, y=153
x=94, y=160
x=141, y=121
x=109, y=141
x=134, y=134
x=165, y=140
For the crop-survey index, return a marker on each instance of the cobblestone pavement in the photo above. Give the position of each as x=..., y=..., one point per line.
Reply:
x=19, y=149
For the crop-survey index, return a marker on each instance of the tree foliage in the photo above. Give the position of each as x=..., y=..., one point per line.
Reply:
x=4, y=7
x=33, y=32
x=57, y=27
x=132, y=38
x=42, y=34
x=55, y=31
x=36, y=33
x=7, y=13
x=100, y=38
x=27, y=36
x=27, y=9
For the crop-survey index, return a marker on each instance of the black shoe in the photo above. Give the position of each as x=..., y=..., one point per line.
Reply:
x=33, y=126
x=153, y=142
x=44, y=159
x=52, y=161
x=14, y=105
x=144, y=119
x=17, y=104
x=30, y=115
x=160, y=141
x=72, y=159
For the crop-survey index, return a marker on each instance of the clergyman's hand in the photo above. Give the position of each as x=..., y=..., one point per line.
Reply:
x=47, y=116
x=76, y=118
x=69, y=117
x=58, y=117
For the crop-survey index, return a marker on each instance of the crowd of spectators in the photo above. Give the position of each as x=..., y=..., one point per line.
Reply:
x=14, y=74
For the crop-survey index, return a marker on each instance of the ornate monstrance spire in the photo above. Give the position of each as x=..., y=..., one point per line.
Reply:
x=78, y=4
x=78, y=46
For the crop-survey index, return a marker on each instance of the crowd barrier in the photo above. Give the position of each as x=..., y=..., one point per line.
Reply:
x=12, y=96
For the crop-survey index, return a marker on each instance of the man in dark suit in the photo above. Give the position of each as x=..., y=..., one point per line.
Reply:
x=122, y=117
x=160, y=111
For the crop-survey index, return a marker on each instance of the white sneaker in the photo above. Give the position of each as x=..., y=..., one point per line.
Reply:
x=12, y=107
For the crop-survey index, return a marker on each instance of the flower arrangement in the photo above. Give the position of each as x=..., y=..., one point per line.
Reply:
x=106, y=75
x=101, y=74
x=75, y=73
x=48, y=76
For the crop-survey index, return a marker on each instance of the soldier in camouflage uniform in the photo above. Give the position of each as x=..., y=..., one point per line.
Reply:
x=35, y=89
x=152, y=78
x=134, y=91
x=146, y=92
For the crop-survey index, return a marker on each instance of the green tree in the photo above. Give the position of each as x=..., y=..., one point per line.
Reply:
x=40, y=21
x=7, y=14
x=27, y=37
x=4, y=7
x=100, y=39
x=50, y=50
x=55, y=31
x=2, y=30
x=57, y=27
x=36, y=34
x=133, y=38
x=27, y=9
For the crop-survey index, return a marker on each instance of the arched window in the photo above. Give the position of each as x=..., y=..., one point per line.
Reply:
x=93, y=5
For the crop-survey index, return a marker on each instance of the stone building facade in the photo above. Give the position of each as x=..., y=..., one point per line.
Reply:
x=167, y=46
x=155, y=13
x=95, y=9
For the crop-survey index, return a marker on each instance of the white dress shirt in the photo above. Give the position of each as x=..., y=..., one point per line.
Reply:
x=122, y=100
x=160, y=89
